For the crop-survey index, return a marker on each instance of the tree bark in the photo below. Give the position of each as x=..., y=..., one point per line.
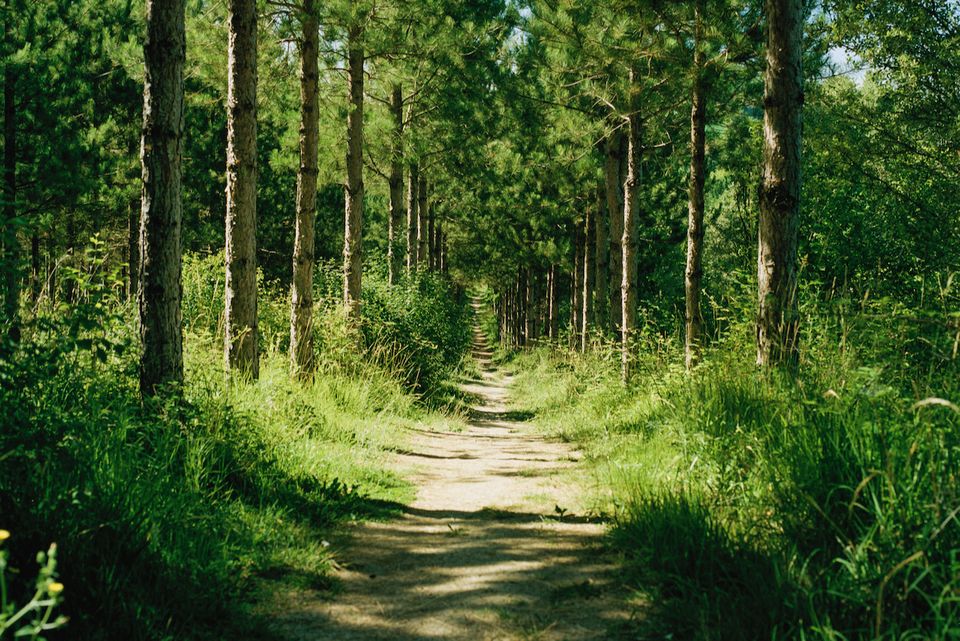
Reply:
x=161, y=334
x=589, y=269
x=11, y=242
x=614, y=178
x=413, y=188
x=444, y=258
x=432, y=237
x=240, y=310
x=304, y=243
x=601, y=296
x=423, y=248
x=394, y=255
x=133, y=251
x=777, y=317
x=576, y=293
x=695, y=205
x=631, y=228
x=353, y=219
x=530, y=318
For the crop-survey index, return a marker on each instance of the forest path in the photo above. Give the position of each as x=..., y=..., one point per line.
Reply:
x=481, y=554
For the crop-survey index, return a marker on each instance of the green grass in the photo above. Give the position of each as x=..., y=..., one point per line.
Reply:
x=757, y=506
x=169, y=514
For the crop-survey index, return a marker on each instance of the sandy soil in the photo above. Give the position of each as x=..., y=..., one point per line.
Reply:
x=481, y=554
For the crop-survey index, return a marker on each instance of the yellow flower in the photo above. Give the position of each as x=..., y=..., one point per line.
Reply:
x=4, y=535
x=55, y=588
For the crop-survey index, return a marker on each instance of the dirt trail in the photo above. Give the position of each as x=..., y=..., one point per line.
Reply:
x=480, y=554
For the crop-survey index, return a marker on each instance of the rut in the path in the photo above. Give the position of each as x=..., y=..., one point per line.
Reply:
x=480, y=554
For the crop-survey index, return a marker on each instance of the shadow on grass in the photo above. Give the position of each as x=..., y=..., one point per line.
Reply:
x=703, y=583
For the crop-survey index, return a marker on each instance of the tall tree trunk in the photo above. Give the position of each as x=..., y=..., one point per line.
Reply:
x=394, y=255
x=777, y=318
x=530, y=319
x=133, y=251
x=423, y=249
x=631, y=227
x=444, y=258
x=432, y=237
x=11, y=243
x=240, y=311
x=413, y=197
x=694, y=271
x=601, y=296
x=614, y=178
x=161, y=333
x=576, y=293
x=589, y=269
x=36, y=276
x=304, y=243
x=552, y=302
x=353, y=220
x=437, y=246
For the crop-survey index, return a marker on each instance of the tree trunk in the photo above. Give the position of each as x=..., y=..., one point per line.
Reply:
x=614, y=179
x=304, y=243
x=601, y=296
x=576, y=293
x=240, y=311
x=423, y=249
x=11, y=243
x=413, y=189
x=444, y=258
x=777, y=318
x=133, y=251
x=589, y=269
x=353, y=220
x=394, y=256
x=530, y=318
x=161, y=334
x=36, y=277
x=694, y=271
x=631, y=228
x=432, y=237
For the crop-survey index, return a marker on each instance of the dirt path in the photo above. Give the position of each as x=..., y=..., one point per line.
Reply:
x=480, y=554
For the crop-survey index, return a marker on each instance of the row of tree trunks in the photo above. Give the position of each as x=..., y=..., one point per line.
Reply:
x=301, y=301
x=240, y=311
x=353, y=210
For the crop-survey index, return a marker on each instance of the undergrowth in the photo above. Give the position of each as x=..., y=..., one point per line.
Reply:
x=168, y=513
x=754, y=505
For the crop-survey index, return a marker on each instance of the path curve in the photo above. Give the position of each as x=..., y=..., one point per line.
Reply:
x=481, y=554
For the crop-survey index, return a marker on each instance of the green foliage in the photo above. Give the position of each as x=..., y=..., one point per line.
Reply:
x=756, y=506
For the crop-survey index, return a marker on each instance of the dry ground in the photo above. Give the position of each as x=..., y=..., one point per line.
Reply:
x=480, y=554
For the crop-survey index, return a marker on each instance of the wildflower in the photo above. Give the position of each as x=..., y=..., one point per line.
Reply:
x=55, y=588
x=4, y=535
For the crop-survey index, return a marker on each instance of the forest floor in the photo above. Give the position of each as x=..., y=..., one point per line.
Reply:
x=494, y=547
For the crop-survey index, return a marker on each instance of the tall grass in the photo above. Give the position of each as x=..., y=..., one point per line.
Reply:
x=755, y=505
x=167, y=513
